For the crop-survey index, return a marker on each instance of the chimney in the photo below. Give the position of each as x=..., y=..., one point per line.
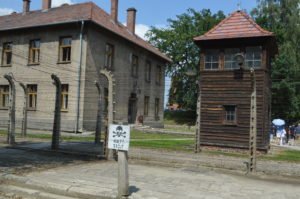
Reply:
x=26, y=6
x=114, y=10
x=46, y=4
x=131, y=15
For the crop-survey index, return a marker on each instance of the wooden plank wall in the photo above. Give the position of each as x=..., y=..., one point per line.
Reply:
x=233, y=87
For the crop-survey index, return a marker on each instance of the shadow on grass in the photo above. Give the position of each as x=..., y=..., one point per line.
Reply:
x=180, y=117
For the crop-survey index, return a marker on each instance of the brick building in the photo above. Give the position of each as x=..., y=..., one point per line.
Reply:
x=75, y=42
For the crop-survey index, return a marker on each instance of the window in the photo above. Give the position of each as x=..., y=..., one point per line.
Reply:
x=148, y=71
x=158, y=75
x=34, y=52
x=230, y=114
x=134, y=66
x=106, y=100
x=146, y=105
x=7, y=54
x=65, y=49
x=4, y=96
x=212, y=59
x=109, y=56
x=253, y=56
x=229, y=61
x=32, y=97
x=64, y=97
x=156, y=107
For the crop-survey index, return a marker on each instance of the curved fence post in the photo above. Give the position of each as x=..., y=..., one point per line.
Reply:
x=12, y=110
x=24, y=121
x=99, y=119
x=56, y=124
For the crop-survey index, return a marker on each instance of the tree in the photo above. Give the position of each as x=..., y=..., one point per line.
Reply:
x=283, y=18
x=176, y=41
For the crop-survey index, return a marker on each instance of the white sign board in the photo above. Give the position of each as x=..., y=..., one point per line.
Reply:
x=119, y=137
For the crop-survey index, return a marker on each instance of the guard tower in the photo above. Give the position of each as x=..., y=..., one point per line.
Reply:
x=228, y=52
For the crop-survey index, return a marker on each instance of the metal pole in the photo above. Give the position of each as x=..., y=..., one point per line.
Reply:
x=253, y=125
x=12, y=110
x=56, y=124
x=99, y=119
x=24, y=121
x=198, y=124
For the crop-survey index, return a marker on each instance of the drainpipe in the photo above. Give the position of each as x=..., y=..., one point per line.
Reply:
x=79, y=78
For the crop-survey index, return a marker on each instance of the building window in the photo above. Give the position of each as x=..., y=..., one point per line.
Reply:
x=65, y=49
x=7, y=54
x=156, y=107
x=109, y=56
x=230, y=114
x=146, y=105
x=253, y=56
x=148, y=71
x=134, y=66
x=34, y=52
x=212, y=59
x=32, y=97
x=158, y=75
x=106, y=100
x=4, y=96
x=229, y=58
x=64, y=97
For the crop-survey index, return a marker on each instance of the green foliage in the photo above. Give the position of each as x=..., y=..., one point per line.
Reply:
x=180, y=118
x=176, y=41
x=283, y=18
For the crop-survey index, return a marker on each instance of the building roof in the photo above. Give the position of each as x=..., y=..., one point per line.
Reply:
x=237, y=25
x=73, y=13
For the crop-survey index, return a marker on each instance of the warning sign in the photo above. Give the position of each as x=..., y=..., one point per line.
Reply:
x=119, y=137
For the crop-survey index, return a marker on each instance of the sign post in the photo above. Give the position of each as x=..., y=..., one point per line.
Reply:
x=119, y=137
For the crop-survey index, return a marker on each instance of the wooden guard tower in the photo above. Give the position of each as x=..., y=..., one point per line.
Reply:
x=226, y=83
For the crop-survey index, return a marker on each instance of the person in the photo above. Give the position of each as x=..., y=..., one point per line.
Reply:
x=282, y=137
x=297, y=132
x=278, y=135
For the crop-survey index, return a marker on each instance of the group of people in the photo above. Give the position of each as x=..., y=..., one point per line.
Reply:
x=285, y=135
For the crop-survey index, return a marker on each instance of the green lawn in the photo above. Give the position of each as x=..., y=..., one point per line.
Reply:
x=162, y=141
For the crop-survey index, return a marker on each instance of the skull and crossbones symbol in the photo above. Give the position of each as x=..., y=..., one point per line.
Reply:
x=119, y=132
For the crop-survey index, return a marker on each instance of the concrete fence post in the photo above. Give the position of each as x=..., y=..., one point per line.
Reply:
x=99, y=119
x=12, y=110
x=253, y=125
x=57, y=118
x=24, y=120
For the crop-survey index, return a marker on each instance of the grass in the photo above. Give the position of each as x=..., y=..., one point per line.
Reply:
x=289, y=155
x=133, y=135
x=185, y=145
x=160, y=141
x=181, y=130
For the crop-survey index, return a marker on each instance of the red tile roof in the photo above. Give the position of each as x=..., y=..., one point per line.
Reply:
x=73, y=13
x=237, y=25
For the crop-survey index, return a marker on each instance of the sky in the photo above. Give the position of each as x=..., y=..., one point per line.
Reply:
x=149, y=12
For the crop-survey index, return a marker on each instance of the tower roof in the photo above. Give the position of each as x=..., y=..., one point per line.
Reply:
x=237, y=25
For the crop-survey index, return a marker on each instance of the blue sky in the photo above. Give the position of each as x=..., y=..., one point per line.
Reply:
x=150, y=12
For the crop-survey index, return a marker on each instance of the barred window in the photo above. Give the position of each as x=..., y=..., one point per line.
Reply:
x=158, y=75
x=4, y=96
x=65, y=49
x=146, y=105
x=156, y=107
x=34, y=52
x=65, y=97
x=230, y=114
x=253, y=56
x=109, y=56
x=148, y=71
x=211, y=59
x=134, y=65
x=32, y=97
x=229, y=58
x=7, y=54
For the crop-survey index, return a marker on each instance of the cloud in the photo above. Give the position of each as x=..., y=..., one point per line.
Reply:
x=56, y=3
x=141, y=29
x=6, y=11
